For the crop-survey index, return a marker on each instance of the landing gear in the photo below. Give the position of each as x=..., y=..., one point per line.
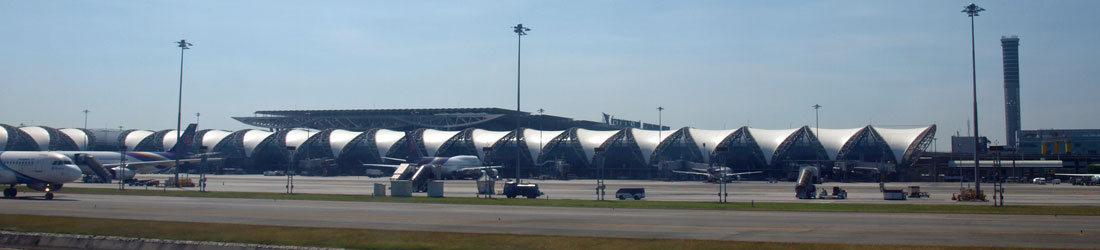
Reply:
x=10, y=192
x=49, y=196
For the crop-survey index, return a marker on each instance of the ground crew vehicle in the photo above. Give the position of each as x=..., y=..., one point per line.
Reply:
x=514, y=188
x=630, y=193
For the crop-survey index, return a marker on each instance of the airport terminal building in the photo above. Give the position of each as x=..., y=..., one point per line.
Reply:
x=339, y=142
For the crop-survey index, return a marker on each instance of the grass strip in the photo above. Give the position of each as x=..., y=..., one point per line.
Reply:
x=741, y=206
x=375, y=239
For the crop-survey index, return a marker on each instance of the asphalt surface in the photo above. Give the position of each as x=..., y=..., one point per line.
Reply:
x=1017, y=193
x=863, y=228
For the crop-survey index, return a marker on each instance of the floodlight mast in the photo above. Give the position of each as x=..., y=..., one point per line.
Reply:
x=184, y=45
x=520, y=32
x=972, y=10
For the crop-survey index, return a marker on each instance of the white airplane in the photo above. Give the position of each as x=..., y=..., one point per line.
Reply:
x=136, y=161
x=441, y=167
x=42, y=171
x=1094, y=178
x=715, y=173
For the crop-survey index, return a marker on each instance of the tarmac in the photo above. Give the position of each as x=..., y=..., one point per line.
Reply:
x=746, y=191
x=1039, y=231
x=821, y=227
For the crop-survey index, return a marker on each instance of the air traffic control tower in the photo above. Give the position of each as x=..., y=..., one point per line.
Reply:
x=1010, y=47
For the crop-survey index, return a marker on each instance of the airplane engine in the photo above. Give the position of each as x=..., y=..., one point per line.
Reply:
x=7, y=177
x=45, y=187
x=121, y=173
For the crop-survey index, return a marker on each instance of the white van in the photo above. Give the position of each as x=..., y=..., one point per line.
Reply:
x=1040, y=181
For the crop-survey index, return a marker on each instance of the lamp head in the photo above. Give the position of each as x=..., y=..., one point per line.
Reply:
x=520, y=30
x=972, y=10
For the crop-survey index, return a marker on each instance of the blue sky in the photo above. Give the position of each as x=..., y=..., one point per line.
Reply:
x=711, y=64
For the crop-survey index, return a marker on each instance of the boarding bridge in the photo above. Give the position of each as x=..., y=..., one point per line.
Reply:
x=89, y=162
x=401, y=171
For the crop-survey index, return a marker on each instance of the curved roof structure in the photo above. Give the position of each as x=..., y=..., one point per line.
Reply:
x=833, y=140
x=210, y=138
x=648, y=140
x=592, y=139
x=433, y=139
x=903, y=142
x=252, y=138
x=628, y=149
x=134, y=137
x=537, y=140
x=384, y=139
x=486, y=138
x=770, y=139
x=340, y=138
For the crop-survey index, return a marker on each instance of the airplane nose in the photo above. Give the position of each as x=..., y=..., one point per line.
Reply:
x=72, y=173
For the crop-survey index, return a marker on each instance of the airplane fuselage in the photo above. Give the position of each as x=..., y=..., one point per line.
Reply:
x=37, y=169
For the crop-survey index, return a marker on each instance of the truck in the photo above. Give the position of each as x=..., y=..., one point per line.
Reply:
x=515, y=188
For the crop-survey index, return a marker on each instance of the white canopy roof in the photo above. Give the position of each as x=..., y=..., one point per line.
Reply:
x=135, y=137
x=537, y=139
x=485, y=138
x=169, y=140
x=769, y=140
x=899, y=140
x=709, y=137
x=252, y=138
x=295, y=138
x=433, y=139
x=213, y=137
x=384, y=140
x=78, y=136
x=834, y=139
x=3, y=139
x=591, y=139
x=340, y=138
x=40, y=136
x=648, y=140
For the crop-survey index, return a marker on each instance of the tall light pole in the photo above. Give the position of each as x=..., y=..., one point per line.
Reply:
x=184, y=45
x=972, y=10
x=85, y=129
x=817, y=131
x=520, y=32
x=660, y=123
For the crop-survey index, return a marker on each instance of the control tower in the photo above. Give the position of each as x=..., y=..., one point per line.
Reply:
x=1010, y=47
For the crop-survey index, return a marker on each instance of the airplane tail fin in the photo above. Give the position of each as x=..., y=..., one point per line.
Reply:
x=414, y=151
x=183, y=145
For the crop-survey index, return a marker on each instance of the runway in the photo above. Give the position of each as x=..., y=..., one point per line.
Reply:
x=1017, y=193
x=848, y=228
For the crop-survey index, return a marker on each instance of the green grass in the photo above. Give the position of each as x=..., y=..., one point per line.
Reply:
x=375, y=239
x=745, y=206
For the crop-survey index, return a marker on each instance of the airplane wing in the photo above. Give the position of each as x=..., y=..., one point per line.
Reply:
x=477, y=168
x=743, y=173
x=689, y=172
x=1079, y=175
x=148, y=167
x=380, y=165
x=393, y=159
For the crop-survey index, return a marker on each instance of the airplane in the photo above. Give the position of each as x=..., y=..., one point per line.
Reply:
x=137, y=161
x=1094, y=178
x=442, y=167
x=42, y=171
x=714, y=173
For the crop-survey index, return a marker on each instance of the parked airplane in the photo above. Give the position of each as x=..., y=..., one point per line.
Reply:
x=42, y=171
x=1093, y=178
x=714, y=173
x=441, y=167
x=137, y=161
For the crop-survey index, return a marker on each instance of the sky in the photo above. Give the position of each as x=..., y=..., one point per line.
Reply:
x=710, y=64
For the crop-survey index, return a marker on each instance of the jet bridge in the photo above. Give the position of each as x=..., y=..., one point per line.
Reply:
x=88, y=163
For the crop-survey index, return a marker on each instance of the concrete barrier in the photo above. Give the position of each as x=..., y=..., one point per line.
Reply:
x=379, y=190
x=401, y=188
x=435, y=189
x=10, y=239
